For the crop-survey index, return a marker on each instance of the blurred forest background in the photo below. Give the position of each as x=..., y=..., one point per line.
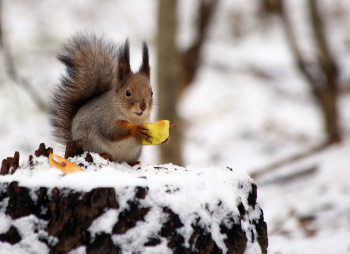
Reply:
x=259, y=85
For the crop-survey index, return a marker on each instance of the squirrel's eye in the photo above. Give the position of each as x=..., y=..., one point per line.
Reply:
x=152, y=94
x=128, y=93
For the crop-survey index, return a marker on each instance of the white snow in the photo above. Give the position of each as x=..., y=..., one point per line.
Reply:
x=5, y=223
x=105, y=222
x=30, y=228
x=248, y=106
x=189, y=192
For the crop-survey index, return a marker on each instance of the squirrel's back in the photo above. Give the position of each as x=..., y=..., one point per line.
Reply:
x=91, y=64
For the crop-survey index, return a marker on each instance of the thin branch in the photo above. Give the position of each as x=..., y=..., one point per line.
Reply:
x=323, y=77
x=11, y=70
x=191, y=57
x=206, y=12
x=292, y=39
x=295, y=175
x=21, y=81
x=326, y=60
x=318, y=29
x=288, y=160
x=1, y=31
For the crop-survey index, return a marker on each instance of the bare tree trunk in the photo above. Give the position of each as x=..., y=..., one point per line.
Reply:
x=328, y=93
x=323, y=82
x=176, y=70
x=168, y=77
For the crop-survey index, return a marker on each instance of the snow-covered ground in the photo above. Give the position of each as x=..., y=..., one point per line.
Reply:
x=248, y=107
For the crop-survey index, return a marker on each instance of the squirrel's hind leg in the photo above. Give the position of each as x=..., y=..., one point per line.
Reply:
x=110, y=158
x=131, y=164
x=106, y=156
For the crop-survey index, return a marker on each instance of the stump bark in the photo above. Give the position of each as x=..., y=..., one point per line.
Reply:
x=69, y=215
x=62, y=218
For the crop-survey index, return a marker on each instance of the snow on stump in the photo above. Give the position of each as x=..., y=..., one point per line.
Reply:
x=116, y=208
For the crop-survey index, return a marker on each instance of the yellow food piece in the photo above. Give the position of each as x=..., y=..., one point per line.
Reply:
x=63, y=164
x=159, y=132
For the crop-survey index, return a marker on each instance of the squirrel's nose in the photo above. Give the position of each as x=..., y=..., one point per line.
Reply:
x=143, y=105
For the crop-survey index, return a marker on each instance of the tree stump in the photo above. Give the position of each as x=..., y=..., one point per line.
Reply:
x=136, y=209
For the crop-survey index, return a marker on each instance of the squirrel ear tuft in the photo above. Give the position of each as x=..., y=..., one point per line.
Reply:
x=123, y=62
x=145, y=68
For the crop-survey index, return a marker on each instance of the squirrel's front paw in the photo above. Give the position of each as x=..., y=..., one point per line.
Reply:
x=142, y=133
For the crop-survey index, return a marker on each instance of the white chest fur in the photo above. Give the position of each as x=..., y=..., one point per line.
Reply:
x=128, y=150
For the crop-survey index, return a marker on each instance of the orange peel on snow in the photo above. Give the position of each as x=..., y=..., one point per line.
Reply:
x=63, y=164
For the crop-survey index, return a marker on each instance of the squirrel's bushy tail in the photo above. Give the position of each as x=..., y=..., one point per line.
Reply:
x=91, y=70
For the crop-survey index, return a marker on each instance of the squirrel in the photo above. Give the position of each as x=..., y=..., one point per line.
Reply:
x=100, y=100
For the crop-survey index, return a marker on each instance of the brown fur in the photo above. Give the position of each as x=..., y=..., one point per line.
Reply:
x=90, y=64
x=91, y=102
